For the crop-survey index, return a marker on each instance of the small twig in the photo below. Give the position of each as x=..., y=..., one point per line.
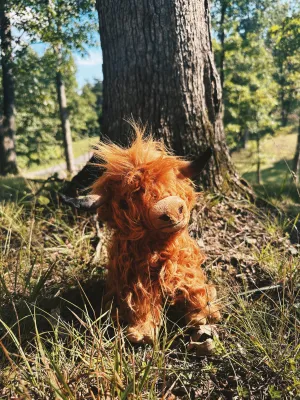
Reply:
x=263, y=289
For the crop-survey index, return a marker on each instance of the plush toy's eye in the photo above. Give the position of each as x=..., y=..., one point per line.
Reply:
x=180, y=209
x=123, y=204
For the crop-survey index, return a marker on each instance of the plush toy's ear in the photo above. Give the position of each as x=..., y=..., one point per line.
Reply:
x=191, y=169
x=89, y=203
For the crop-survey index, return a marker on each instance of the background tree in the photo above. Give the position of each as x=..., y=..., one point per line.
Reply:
x=241, y=51
x=38, y=117
x=285, y=39
x=38, y=125
x=8, y=159
x=250, y=93
x=97, y=90
x=64, y=113
x=285, y=42
x=65, y=28
x=242, y=17
x=38, y=122
x=87, y=105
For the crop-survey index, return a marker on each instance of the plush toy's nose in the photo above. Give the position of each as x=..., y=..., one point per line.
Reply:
x=170, y=208
x=169, y=214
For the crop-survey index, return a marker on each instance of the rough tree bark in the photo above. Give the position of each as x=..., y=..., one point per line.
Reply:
x=158, y=68
x=222, y=41
x=65, y=123
x=8, y=158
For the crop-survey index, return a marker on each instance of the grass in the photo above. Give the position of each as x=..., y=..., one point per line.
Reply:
x=277, y=154
x=258, y=356
x=80, y=147
x=57, y=342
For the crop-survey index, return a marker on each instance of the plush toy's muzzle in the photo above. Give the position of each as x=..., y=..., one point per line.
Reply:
x=169, y=214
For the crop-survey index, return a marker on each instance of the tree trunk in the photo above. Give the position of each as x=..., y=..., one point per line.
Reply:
x=65, y=123
x=283, y=111
x=245, y=138
x=284, y=115
x=296, y=161
x=8, y=158
x=159, y=69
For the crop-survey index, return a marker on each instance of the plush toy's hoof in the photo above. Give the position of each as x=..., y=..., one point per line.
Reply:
x=203, y=340
x=198, y=318
x=195, y=319
x=142, y=333
x=214, y=316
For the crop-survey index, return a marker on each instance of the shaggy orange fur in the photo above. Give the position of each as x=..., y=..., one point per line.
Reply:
x=148, y=265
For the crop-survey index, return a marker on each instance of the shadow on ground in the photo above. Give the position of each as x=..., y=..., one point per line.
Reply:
x=279, y=173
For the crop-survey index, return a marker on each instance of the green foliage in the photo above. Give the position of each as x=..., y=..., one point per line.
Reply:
x=250, y=93
x=69, y=25
x=243, y=16
x=38, y=124
x=257, y=51
x=249, y=90
x=64, y=26
x=285, y=41
x=85, y=110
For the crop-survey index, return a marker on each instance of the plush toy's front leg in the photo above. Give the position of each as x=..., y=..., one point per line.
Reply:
x=143, y=314
x=144, y=321
x=201, y=306
x=137, y=298
x=143, y=317
x=143, y=331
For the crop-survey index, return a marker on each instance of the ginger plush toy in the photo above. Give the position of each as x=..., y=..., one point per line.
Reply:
x=146, y=194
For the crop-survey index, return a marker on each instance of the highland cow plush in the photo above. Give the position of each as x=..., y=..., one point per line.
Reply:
x=146, y=195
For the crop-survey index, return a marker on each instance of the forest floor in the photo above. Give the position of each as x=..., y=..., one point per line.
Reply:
x=58, y=343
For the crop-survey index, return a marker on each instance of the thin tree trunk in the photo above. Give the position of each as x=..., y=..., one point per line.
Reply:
x=284, y=114
x=258, y=163
x=8, y=157
x=245, y=138
x=283, y=111
x=159, y=69
x=296, y=161
x=65, y=123
x=99, y=100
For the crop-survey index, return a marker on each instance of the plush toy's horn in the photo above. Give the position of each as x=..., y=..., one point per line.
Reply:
x=89, y=203
x=193, y=168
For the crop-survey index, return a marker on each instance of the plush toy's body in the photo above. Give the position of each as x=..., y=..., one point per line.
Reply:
x=142, y=274
x=146, y=195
